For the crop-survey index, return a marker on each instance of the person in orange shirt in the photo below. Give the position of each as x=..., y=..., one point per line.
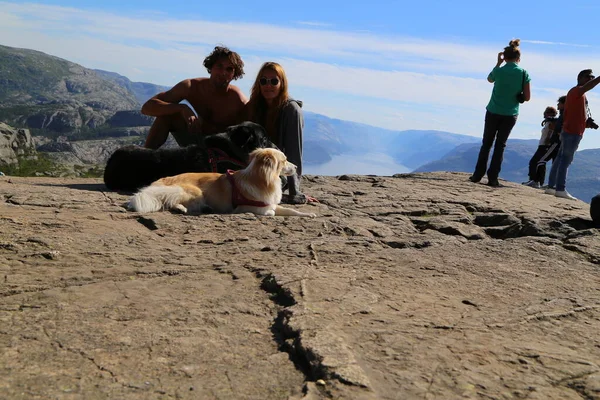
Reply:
x=576, y=119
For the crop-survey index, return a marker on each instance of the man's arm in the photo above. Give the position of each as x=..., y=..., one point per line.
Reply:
x=167, y=103
x=589, y=85
x=241, y=114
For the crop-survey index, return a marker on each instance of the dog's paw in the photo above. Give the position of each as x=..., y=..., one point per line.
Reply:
x=180, y=208
x=311, y=215
x=270, y=213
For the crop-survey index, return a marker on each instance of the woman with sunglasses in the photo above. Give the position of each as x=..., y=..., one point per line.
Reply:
x=281, y=116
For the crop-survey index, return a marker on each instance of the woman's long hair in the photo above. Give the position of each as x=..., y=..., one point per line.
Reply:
x=512, y=52
x=259, y=112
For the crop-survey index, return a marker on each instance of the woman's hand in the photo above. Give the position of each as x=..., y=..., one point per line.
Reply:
x=500, y=59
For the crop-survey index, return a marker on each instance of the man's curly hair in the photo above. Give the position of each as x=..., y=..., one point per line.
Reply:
x=224, y=52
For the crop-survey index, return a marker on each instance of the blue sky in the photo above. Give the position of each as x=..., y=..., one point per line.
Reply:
x=398, y=65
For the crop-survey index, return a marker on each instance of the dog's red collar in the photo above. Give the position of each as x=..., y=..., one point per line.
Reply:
x=238, y=199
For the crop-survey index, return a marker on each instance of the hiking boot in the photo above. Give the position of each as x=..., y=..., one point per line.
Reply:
x=474, y=179
x=563, y=194
x=533, y=184
x=493, y=183
x=551, y=191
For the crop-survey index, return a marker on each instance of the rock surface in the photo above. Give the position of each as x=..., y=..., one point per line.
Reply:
x=14, y=142
x=421, y=286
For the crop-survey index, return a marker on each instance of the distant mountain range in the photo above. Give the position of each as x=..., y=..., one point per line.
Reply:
x=411, y=148
x=52, y=97
x=141, y=90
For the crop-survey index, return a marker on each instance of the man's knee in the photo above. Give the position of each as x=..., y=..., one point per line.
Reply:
x=169, y=123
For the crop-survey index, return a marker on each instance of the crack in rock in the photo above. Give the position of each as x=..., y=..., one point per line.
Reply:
x=318, y=354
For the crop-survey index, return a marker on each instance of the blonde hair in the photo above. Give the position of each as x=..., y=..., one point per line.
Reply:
x=512, y=51
x=257, y=105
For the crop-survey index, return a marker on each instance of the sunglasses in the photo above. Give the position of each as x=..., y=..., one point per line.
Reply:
x=272, y=81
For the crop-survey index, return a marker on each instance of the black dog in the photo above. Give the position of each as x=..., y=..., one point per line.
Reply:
x=132, y=167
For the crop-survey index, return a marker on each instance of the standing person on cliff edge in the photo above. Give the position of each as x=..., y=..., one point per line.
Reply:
x=577, y=118
x=511, y=88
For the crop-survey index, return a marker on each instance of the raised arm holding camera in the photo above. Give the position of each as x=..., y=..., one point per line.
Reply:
x=576, y=119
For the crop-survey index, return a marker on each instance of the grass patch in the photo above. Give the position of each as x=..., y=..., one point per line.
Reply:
x=29, y=165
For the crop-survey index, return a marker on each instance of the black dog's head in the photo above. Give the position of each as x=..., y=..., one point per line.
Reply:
x=249, y=136
x=240, y=140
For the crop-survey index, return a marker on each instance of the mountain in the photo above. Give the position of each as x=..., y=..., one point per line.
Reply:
x=584, y=174
x=411, y=148
x=141, y=90
x=583, y=180
x=414, y=148
x=40, y=91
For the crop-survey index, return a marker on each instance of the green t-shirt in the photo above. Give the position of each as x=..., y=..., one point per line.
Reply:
x=508, y=83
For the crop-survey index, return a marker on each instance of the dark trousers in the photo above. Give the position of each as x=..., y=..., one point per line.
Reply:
x=497, y=128
x=537, y=172
x=537, y=164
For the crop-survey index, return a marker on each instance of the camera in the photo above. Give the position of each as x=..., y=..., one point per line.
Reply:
x=521, y=97
x=589, y=123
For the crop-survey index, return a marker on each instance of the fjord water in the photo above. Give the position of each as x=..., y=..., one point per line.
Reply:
x=365, y=164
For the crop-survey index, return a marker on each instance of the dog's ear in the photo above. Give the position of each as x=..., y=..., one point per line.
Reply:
x=242, y=136
x=262, y=139
x=267, y=163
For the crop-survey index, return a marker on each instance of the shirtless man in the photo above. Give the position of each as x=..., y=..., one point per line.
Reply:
x=217, y=103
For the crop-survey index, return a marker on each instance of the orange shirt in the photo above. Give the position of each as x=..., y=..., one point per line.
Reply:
x=575, y=113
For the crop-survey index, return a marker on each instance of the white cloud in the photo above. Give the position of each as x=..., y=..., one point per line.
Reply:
x=313, y=23
x=555, y=43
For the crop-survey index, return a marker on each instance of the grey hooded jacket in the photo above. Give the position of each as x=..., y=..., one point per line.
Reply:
x=291, y=124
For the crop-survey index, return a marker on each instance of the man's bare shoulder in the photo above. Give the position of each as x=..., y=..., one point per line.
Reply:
x=200, y=81
x=235, y=91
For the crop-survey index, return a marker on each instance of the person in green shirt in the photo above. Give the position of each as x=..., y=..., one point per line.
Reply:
x=511, y=87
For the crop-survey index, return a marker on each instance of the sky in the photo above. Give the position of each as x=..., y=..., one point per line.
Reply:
x=393, y=64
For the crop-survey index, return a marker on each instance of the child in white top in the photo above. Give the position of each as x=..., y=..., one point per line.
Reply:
x=548, y=125
x=537, y=174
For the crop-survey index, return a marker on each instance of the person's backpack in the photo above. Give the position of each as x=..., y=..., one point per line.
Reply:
x=595, y=209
